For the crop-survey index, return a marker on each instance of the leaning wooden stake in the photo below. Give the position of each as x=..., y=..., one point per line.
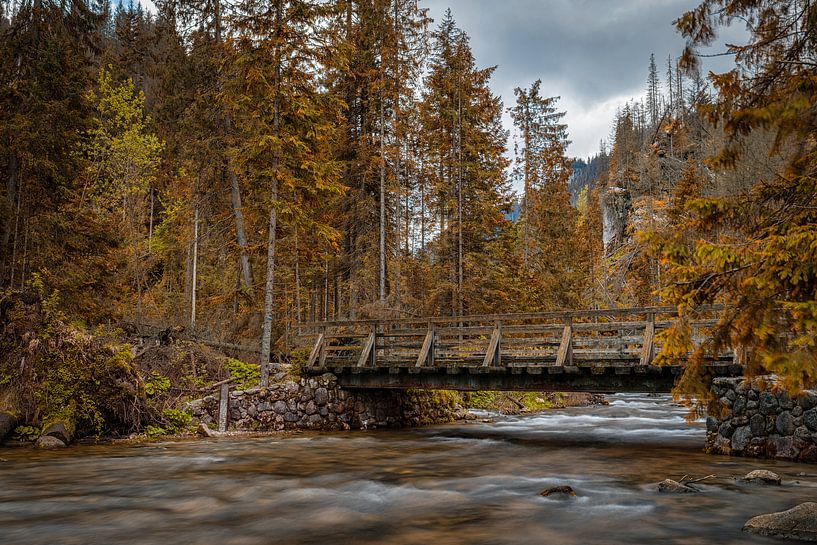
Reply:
x=648, y=349
x=316, y=351
x=368, y=351
x=565, y=354
x=492, y=355
x=427, y=351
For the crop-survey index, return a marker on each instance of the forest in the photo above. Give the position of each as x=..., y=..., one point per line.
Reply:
x=233, y=169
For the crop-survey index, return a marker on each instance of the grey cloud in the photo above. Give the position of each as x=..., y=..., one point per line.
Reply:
x=587, y=51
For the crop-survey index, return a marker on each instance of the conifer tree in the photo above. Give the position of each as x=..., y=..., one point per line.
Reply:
x=548, y=219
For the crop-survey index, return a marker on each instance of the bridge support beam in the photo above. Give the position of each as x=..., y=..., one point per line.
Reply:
x=658, y=379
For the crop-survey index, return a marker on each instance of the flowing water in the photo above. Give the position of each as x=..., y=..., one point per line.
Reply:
x=466, y=483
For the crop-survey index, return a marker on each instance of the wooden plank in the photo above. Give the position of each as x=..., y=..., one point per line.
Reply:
x=313, y=356
x=565, y=354
x=427, y=349
x=368, y=351
x=648, y=348
x=492, y=354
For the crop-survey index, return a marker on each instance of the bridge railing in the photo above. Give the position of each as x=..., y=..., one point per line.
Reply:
x=563, y=339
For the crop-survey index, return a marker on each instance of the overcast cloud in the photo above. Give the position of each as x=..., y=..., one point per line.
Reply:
x=592, y=53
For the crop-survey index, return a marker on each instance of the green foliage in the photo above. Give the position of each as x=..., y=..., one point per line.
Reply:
x=27, y=433
x=123, y=155
x=154, y=431
x=156, y=384
x=246, y=375
x=176, y=420
x=297, y=360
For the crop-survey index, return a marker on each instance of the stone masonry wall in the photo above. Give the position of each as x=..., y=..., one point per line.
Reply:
x=756, y=419
x=318, y=403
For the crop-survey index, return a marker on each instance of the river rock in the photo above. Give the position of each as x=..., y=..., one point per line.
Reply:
x=739, y=406
x=785, y=424
x=205, y=431
x=674, y=487
x=726, y=429
x=767, y=404
x=799, y=522
x=758, y=425
x=7, y=423
x=785, y=448
x=741, y=438
x=810, y=419
x=61, y=430
x=321, y=396
x=559, y=491
x=809, y=454
x=807, y=400
x=49, y=442
x=762, y=476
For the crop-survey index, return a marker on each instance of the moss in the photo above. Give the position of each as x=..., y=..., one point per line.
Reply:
x=511, y=402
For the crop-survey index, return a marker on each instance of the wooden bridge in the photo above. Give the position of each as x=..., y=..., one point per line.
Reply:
x=608, y=350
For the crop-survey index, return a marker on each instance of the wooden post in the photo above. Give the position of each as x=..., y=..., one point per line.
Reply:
x=492, y=354
x=426, y=355
x=564, y=356
x=367, y=355
x=223, y=407
x=316, y=351
x=322, y=350
x=648, y=348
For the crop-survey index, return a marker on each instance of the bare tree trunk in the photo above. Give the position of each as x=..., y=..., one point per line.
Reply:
x=382, y=202
x=459, y=208
x=195, y=268
x=266, y=335
x=150, y=224
x=325, y=290
x=297, y=280
x=240, y=230
x=526, y=209
x=14, y=241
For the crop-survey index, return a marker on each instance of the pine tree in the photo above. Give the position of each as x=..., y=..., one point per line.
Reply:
x=754, y=251
x=465, y=143
x=286, y=122
x=653, y=92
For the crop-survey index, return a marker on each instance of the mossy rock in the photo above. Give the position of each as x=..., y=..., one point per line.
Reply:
x=8, y=422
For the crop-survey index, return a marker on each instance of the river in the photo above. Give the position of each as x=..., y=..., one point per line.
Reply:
x=467, y=483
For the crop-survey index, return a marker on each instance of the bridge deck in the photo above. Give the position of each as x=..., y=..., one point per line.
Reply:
x=610, y=350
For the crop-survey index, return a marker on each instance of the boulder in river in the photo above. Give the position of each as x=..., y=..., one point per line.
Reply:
x=49, y=442
x=799, y=522
x=762, y=476
x=205, y=431
x=674, y=487
x=61, y=429
x=558, y=491
x=7, y=423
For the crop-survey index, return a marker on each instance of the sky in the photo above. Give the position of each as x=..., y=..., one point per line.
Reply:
x=594, y=54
